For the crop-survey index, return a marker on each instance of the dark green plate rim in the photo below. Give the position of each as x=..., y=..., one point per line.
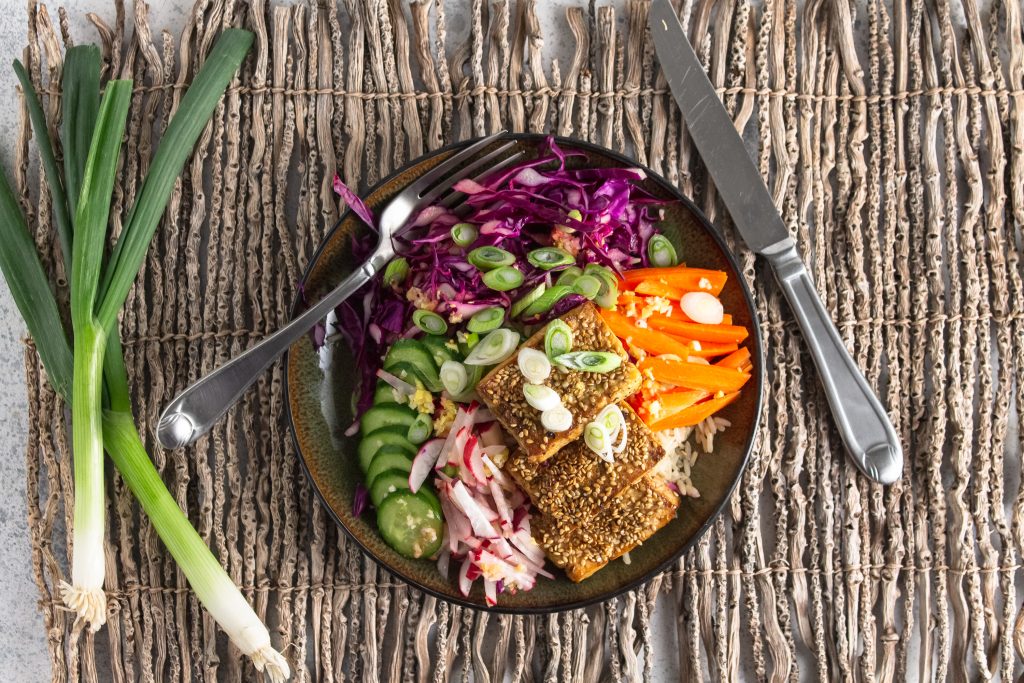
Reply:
x=298, y=305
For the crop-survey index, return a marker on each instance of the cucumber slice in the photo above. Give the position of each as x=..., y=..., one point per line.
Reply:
x=385, y=416
x=410, y=524
x=429, y=495
x=439, y=349
x=524, y=302
x=387, y=483
x=387, y=436
x=416, y=355
x=384, y=394
x=390, y=461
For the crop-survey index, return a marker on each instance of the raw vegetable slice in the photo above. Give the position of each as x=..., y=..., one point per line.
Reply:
x=737, y=359
x=439, y=348
x=525, y=301
x=396, y=272
x=503, y=279
x=693, y=415
x=384, y=393
x=429, y=322
x=695, y=376
x=568, y=276
x=421, y=429
x=464, y=234
x=689, y=279
x=486, y=320
x=587, y=285
x=410, y=524
x=534, y=365
x=550, y=297
x=701, y=307
x=590, y=361
x=454, y=377
x=557, y=339
x=557, y=419
x=387, y=483
x=390, y=461
x=386, y=415
x=661, y=253
x=387, y=436
x=489, y=258
x=692, y=330
x=494, y=348
x=651, y=341
x=541, y=397
x=424, y=462
x=547, y=258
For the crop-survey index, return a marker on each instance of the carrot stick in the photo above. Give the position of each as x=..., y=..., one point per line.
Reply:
x=698, y=331
x=649, y=340
x=694, y=375
x=687, y=279
x=737, y=359
x=659, y=288
x=688, y=417
x=707, y=349
x=676, y=400
x=628, y=298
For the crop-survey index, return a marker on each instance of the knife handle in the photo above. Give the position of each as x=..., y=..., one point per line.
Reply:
x=863, y=424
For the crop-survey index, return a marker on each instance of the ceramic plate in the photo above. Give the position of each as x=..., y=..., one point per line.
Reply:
x=320, y=386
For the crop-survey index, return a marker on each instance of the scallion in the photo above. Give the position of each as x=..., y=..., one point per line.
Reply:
x=429, y=322
x=454, y=377
x=557, y=419
x=661, y=253
x=557, y=339
x=396, y=272
x=587, y=285
x=589, y=361
x=551, y=296
x=524, y=302
x=534, y=365
x=464, y=234
x=568, y=276
x=494, y=348
x=420, y=429
x=489, y=258
x=503, y=279
x=486, y=320
x=547, y=258
x=541, y=397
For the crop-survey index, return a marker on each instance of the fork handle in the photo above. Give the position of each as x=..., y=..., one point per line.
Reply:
x=863, y=424
x=194, y=411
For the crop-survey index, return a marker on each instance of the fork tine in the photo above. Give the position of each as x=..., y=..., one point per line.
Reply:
x=441, y=172
x=463, y=173
x=456, y=198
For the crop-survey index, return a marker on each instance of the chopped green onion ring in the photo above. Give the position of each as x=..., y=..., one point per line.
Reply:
x=494, y=348
x=587, y=285
x=526, y=300
x=661, y=253
x=549, y=298
x=557, y=419
x=489, y=258
x=541, y=397
x=589, y=361
x=596, y=437
x=454, y=377
x=557, y=339
x=429, y=322
x=534, y=365
x=420, y=429
x=568, y=276
x=503, y=279
x=547, y=258
x=487, y=319
x=396, y=272
x=464, y=234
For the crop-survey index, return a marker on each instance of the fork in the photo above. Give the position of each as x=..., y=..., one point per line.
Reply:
x=195, y=410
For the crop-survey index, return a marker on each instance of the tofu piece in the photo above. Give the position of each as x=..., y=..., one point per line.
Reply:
x=575, y=483
x=584, y=394
x=628, y=521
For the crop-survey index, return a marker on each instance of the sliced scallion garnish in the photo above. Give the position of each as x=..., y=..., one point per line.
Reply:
x=464, y=234
x=523, y=302
x=396, y=271
x=557, y=419
x=489, y=258
x=557, y=339
x=534, y=365
x=547, y=258
x=568, y=276
x=541, y=397
x=596, y=437
x=454, y=377
x=487, y=319
x=503, y=279
x=587, y=285
x=429, y=322
x=661, y=253
x=589, y=361
x=550, y=297
x=420, y=429
x=494, y=348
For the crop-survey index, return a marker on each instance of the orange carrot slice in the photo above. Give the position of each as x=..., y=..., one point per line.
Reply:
x=698, y=331
x=687, y=417
x=659, y=288
x=651, y=341
x=707, y=349
x=737, y=359
x=694, y=375
x=680, y=277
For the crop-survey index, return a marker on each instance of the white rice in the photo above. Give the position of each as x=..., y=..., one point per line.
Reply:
x=681, y=453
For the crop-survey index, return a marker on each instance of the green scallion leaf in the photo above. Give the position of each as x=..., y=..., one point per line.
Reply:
x=550, y=297
x=490, y=258
x=661, y=253
x=80, y=105
x=464, y=234
x=589, y=361
x=557, y=339
x=587, y=285
x=547, y=258
x=503, y=279
x=486, y=320
x=568, y=276
x=396, y=272
x=429, y=322
x=523, y=302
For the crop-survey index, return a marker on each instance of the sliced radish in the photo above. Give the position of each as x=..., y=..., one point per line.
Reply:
x=397, y=383
x=443, y=559
x=464, y=501
x=500, y=504
x=491, y=436
x=702, y=307
x=425, y=460
x=491, y=592
x=465, y=583
x=471, y=459
x=483, y=416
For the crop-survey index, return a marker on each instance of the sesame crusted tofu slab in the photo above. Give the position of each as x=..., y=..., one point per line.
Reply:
x=583, y=394
x=575, y=484
x=625, y=523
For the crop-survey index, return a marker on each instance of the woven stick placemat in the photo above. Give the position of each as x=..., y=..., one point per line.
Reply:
x=892, y=138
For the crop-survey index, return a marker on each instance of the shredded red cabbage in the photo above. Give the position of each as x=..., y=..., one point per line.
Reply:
x=519, y=209
x=360, y=500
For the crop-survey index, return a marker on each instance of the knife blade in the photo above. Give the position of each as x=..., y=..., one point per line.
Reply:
x=863, y=425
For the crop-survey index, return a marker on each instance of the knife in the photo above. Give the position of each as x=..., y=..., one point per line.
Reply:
x=863, y=425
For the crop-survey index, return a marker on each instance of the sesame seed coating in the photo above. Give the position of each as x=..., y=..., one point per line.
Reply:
x=584, y=394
